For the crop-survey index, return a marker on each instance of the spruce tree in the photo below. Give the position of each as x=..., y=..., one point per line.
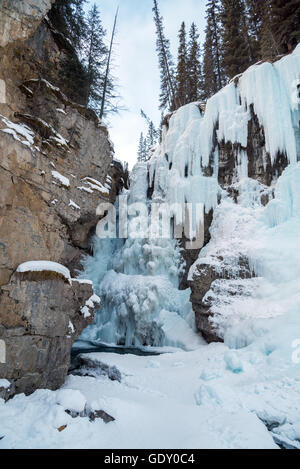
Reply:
x=213, y=20
x=213, y=73
x=253, y=27
x=194, y=88
x=236, y=53
x=255, y=12
x=168, y=91
x=67, y=17
x=152, y=134
x=209, y=73
x=286, y=23
x=269, y=49
x=95, y=58
x=142, y=148
x=182, y=68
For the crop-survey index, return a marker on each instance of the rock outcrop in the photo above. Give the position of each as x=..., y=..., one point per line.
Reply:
x=19, y=19
x=56, y=167
x=40, y=319
x=203, y=279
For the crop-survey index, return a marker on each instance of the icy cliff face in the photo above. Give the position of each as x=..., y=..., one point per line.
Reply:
x=138, y=283
x=229, y=159
x=247, y=273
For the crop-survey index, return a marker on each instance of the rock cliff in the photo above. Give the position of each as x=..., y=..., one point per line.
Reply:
x=56, y=166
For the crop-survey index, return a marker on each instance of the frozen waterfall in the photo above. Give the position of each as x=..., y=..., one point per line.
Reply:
x=138, y=278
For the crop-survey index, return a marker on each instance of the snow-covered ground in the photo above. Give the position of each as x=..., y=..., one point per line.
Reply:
x=177, y=400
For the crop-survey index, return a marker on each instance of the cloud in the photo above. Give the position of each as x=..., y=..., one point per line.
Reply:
x=136, y=64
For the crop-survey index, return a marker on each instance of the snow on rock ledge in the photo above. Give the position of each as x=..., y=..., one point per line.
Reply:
x=45, y=266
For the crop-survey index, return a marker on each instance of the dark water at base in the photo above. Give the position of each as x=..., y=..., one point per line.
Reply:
x=89, y=347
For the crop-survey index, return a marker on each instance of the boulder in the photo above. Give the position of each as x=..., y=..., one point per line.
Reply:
x=40, y=320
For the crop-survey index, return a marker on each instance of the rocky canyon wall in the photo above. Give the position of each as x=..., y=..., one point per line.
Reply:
x=56, y=165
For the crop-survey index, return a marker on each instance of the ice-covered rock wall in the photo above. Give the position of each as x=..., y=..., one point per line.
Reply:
x=235, y=150
x=239, y=278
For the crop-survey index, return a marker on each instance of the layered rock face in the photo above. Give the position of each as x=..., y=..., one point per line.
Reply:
x=56, y=166
x=19, y=19
x=40, y=319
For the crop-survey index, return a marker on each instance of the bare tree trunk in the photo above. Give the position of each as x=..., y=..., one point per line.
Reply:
x=108, y=66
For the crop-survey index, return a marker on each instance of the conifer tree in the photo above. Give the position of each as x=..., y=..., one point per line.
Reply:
x=168, y=91
x=255, y=13
x=142, y=151
x=151, y=138
x=182, y=68
x=210, y=86
x=67, y=16
x=95, y=58
x=213, y=20
x=194, y=88
x=253, y=27
x=152, y=134
x=236, y=53
x=286, y=23
x=269, y=49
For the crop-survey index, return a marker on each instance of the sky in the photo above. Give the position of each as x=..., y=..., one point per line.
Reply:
x=136, y=63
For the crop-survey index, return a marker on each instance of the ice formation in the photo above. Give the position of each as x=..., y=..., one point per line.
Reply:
x=138, y=279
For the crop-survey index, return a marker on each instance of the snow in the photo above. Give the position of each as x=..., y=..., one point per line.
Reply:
x=165, y=393
x=71, y=399
x=45, y=266
x=94, y=299
x=85, y=312
x=62, y=179
x=82, y=280
x=4, y=384
x=85, y=189
x=73, y=205
x=18, y=131
x=96, y=185
x=62, y=111
x=71, y=327
x=90, y=304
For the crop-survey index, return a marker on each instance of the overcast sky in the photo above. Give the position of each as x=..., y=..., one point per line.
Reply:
x=136, y=65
